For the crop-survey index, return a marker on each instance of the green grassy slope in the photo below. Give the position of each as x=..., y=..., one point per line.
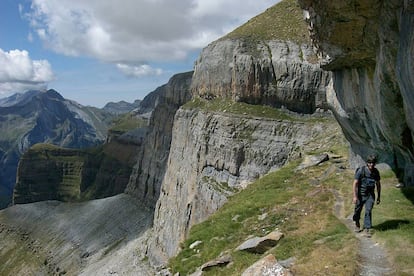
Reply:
x=283, y=21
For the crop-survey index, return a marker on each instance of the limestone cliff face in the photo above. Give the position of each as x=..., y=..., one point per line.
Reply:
x=277, y=73
x=39, y=172
x=369, y=45
x=148, y=172
x=47, y=172
x=213, y=155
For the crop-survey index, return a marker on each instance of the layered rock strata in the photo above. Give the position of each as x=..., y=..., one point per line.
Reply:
x=276, y=73
x=212, y=156
x=46, y=172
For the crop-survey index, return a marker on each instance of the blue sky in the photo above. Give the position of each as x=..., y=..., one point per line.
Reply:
x=98, y=51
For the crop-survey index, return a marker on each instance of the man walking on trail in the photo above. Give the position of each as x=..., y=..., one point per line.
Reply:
x=366, y=179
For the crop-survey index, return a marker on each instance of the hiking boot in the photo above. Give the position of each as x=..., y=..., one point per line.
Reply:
x=368, y=233
x=357, y=227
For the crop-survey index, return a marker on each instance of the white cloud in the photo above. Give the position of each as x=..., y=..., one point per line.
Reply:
x=138, y=71
x=18, y=72
x=137, y=31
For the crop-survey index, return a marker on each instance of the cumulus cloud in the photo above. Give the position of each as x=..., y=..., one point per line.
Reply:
x=136, y=31
x=18, y=72
x=138, y=71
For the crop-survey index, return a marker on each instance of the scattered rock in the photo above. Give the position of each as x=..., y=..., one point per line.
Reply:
x=399, y=185
x=312, y=160
x=220, y=261
x=259, y=245
x=235, y=218
x=288, y=262
x=194, y=244
x=262, y=216
x=198, y=272
x=268, y=266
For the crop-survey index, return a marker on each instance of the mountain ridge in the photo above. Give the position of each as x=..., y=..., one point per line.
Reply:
x=44, y=117
x=18, y=98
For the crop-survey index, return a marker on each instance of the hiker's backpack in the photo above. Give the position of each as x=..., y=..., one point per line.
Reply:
x=366, y=184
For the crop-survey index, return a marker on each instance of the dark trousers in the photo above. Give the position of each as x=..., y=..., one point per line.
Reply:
x=368, y=201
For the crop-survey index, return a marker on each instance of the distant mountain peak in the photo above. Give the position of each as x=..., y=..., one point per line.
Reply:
x=53, y=93
x=19, y=98
x=121, y=107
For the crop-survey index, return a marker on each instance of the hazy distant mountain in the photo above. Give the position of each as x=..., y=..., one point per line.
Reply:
x=19, y=98
x=121, y=107
x=44, y=117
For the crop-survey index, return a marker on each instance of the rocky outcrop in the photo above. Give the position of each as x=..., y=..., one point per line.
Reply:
x=148, y=172
x=212, y=156
x=269, y=60
x=46, y=172
x=276, y=73
x=369, y=46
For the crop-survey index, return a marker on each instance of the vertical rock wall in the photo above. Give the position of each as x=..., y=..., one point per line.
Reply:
x=276, y=73
x=369, y=45
x=148, y=172
x=212, y=156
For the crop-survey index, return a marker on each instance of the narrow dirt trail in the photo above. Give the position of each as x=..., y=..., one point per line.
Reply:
x=373, y=258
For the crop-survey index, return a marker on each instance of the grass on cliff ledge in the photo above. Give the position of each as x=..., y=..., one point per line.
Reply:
x=127, y=122
x=239, y=108
x=295, y=205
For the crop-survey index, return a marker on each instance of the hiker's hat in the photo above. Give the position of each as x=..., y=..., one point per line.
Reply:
x=372, y=159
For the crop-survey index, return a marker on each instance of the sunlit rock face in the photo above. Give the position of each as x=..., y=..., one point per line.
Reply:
x=276, y=73
x=369, y=46
x=212, y=156
x=148, y=172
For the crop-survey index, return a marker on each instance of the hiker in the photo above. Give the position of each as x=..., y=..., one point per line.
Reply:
x=366, y=178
